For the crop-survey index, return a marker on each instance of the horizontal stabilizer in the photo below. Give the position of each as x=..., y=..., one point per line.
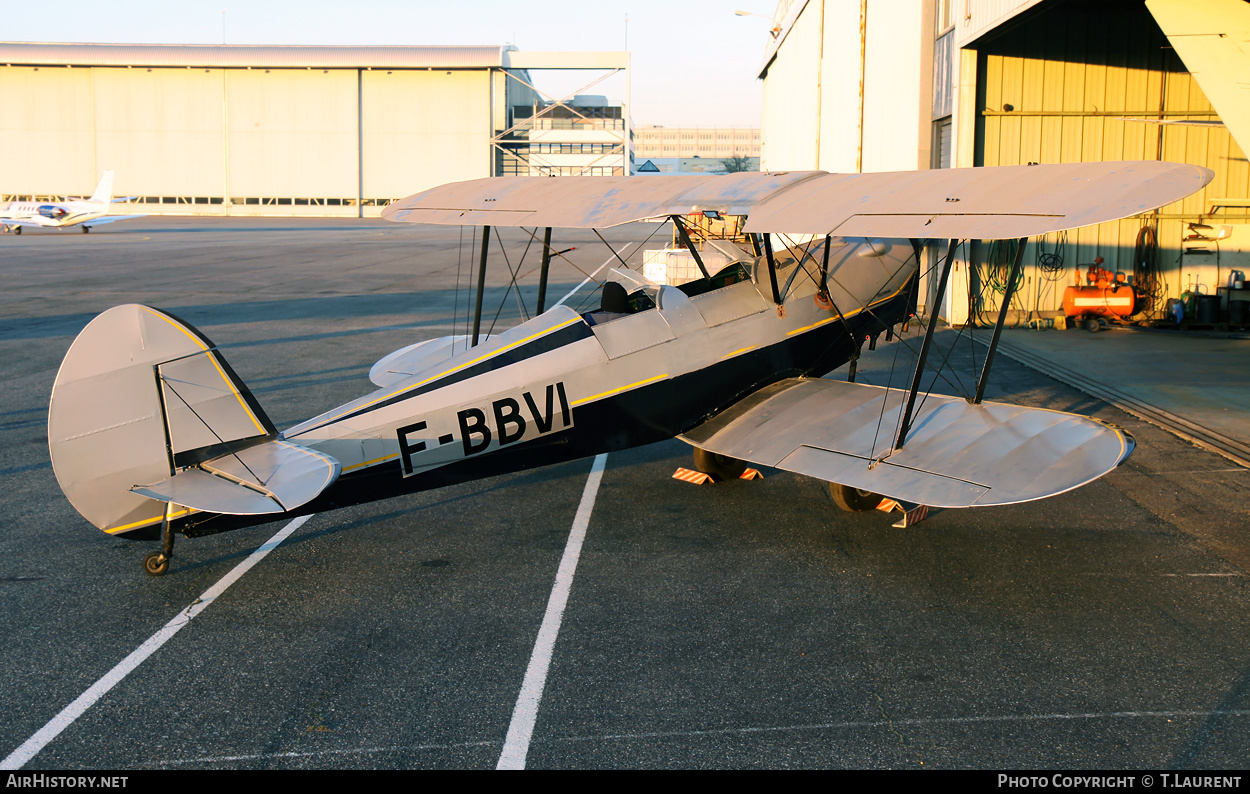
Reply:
x=956, y=455
x=272, y=477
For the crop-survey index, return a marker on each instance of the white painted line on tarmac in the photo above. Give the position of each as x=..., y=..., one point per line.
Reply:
x=525, y=714
x=31, y=747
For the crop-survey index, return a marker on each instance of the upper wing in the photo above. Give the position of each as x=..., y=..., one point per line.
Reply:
x=953, y=203
x=956, y=455
x=587, y=201
x=996, y=203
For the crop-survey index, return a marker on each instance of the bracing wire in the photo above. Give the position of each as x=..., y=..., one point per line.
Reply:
x=512, y=282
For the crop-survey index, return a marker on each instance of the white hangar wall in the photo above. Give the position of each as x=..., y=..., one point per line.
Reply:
x=847, y=87
x=257, y=131
x=424, y=128
x=291, y=133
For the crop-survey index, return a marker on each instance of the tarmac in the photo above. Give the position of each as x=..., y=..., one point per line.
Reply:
x=1194, y=384
x=738, y=625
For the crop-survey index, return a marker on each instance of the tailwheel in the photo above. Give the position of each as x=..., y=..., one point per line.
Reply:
x=853, y=500
x=156, y=564
x=721, y=467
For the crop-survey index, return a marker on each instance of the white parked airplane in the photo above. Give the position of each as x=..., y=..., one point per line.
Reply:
x=71, y=212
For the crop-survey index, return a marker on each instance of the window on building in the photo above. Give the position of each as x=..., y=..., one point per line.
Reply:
x=945, y=16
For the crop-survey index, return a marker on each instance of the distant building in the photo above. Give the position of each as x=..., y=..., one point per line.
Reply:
x=652, y=142
x=584, y=137
x=688, y=165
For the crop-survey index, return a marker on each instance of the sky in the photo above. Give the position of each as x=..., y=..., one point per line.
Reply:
x=695, y=63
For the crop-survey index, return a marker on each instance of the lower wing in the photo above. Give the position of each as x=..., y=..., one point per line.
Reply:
x=956, y=455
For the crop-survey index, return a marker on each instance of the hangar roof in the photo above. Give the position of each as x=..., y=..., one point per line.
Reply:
x=263, y=56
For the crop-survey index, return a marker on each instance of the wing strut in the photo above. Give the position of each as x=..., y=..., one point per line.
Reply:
x=685, y=240
x=905, y=425
x=1008, y=292
x=481, y=286
x=824, y=271
x=772, y=267
x=542, y=273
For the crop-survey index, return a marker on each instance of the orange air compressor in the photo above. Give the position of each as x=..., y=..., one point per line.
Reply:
x=1104, y=294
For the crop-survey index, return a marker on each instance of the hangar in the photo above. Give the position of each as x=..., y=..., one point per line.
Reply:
x=873, y=85
x=293, y=130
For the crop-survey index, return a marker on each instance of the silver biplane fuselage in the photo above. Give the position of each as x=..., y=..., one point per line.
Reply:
x=566, y=385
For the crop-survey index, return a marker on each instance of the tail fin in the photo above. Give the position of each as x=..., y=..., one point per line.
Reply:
x=104, y=191
x=142, y=398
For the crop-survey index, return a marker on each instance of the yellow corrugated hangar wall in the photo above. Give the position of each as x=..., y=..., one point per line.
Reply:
x=249, y=130
x=883, y=85
x=1086, y=82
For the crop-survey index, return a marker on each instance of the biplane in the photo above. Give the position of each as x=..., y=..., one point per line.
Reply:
x=152, y=434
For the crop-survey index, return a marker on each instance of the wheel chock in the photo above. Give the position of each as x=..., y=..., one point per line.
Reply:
x=912, y=512
x=700, y=478
x=696, y=477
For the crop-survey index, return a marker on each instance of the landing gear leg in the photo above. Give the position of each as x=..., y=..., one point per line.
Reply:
x=157, y=563
x=721, y=467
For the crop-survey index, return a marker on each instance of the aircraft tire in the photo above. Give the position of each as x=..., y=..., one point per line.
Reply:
x=721, y=467
x=86, y=229
x=853, y=500
x=17, y=229
x=155, y=564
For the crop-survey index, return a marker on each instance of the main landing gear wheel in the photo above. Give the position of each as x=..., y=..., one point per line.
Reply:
x=722, y=467
x=853, y=500
x=156, y=564
x=86, y=229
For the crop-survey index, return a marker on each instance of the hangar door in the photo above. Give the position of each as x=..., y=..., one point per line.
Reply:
x=1089, y=82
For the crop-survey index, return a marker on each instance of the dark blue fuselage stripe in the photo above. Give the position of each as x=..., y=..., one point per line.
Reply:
x=559, y=338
